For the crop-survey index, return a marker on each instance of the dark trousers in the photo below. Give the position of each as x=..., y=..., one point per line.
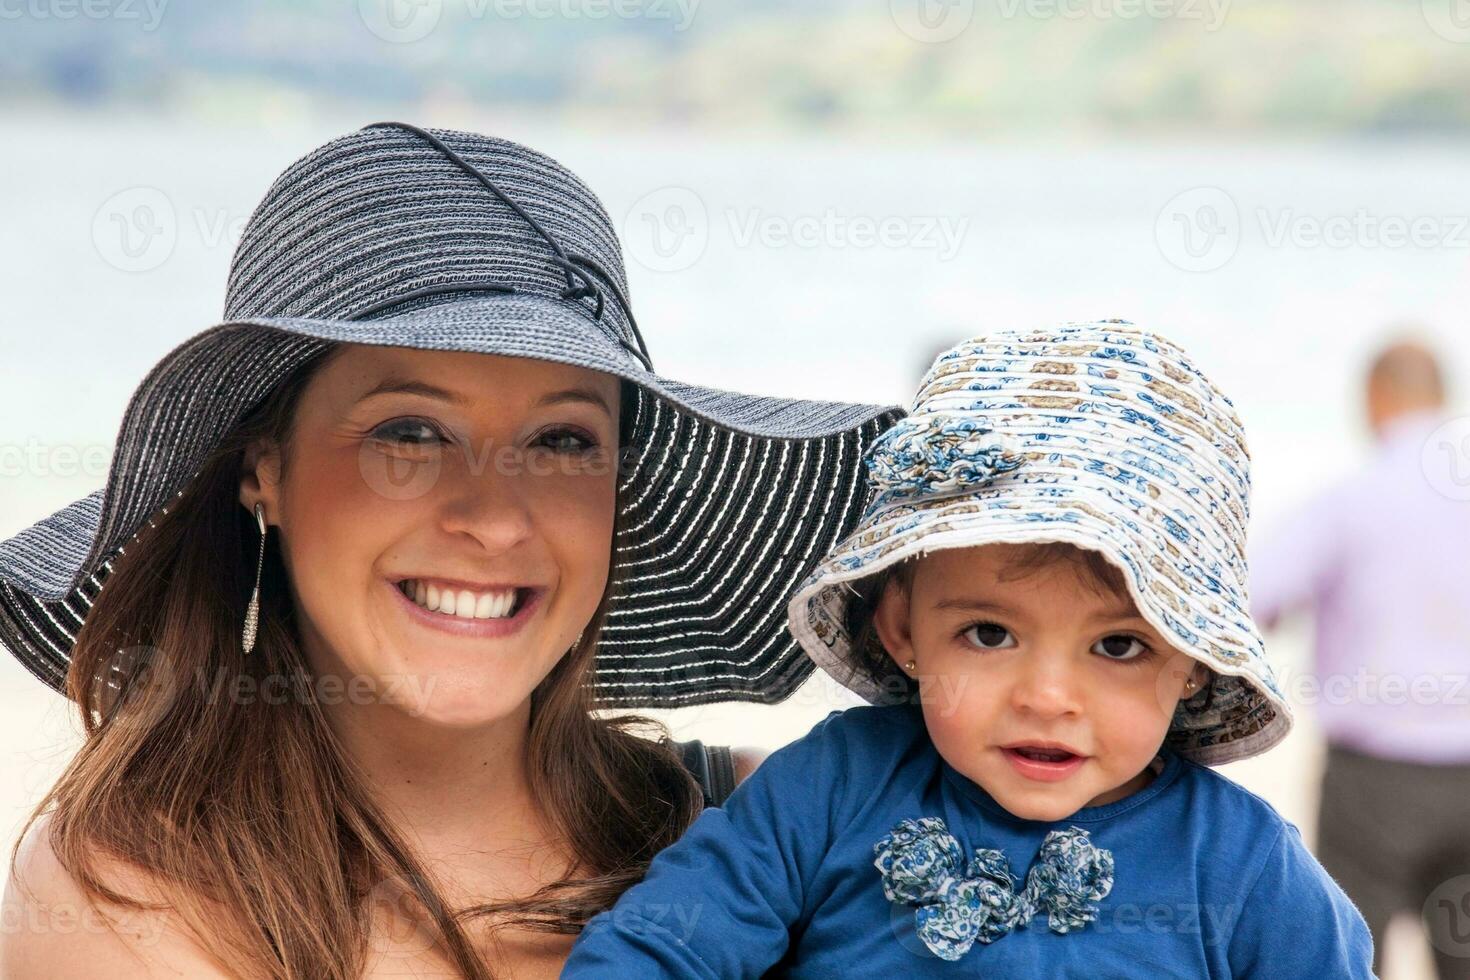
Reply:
x=1396, y=837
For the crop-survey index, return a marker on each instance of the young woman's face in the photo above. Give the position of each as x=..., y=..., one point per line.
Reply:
x=1046, y=690
x=482, y=485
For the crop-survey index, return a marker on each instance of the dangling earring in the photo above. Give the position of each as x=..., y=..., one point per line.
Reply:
x=252, y=611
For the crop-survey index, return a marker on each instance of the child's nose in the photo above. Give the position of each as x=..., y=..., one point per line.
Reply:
x=1047, y=684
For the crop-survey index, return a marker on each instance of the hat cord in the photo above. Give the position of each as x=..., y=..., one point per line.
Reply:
x=580, y=285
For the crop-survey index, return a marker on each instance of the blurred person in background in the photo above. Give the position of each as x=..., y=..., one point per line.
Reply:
x=1383, y=560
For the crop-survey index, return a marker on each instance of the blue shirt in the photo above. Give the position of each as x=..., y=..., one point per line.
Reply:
x=1209, y=880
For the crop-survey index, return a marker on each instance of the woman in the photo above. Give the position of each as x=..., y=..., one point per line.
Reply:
x=370, y=553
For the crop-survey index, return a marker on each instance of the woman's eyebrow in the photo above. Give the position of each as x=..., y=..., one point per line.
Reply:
x=589, y=396
x=404, y=386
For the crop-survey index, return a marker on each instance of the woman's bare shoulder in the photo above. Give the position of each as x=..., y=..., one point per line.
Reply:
x=53, y=930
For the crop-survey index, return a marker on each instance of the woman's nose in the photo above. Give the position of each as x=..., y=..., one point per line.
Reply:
x=490, y=506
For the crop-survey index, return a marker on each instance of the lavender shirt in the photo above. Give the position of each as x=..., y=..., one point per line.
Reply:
x=1384, y=560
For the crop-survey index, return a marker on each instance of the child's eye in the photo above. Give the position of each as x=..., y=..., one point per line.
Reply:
x=990, y=636
x=408, y=433
x=566, y=440
x=1120, y=646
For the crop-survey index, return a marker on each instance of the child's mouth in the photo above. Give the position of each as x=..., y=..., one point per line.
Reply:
x=1044, y=763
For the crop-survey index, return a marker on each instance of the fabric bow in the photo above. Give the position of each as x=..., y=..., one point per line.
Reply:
x=938, y=452
x=923, y=865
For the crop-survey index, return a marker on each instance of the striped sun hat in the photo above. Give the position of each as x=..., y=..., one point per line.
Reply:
x=1098, y=435
x=443, y=240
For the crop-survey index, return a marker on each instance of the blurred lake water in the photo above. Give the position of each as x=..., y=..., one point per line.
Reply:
x=818, y=267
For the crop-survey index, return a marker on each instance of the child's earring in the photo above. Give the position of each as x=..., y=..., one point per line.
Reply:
x=911, y=666
x=1190, y=684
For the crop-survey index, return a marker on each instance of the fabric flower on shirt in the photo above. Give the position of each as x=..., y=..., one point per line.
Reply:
x=1069, y=878
x=923, y=865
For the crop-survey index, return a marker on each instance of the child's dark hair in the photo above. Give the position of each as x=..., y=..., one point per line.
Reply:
x=869, y=656
x=872, y=659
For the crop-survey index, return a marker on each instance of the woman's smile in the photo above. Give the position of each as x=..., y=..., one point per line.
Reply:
x=464, y=599
x=492, y=613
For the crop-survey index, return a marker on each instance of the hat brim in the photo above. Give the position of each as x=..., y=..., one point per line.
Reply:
x=1242, y=713
x=729, y=502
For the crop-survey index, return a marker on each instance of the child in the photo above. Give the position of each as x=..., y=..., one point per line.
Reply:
x=1046, y=596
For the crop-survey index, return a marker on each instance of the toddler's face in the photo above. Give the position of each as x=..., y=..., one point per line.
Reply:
x=1044, y=686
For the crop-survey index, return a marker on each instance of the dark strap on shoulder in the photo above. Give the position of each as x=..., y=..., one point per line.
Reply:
x=712, y=766
x=722, y=773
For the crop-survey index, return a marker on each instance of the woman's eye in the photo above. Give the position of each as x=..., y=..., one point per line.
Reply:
x=411, y=433
x=1120, y=647
x=565, y=441
x=990, y=636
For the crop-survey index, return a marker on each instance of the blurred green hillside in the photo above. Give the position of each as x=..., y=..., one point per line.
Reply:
x=1011, y=65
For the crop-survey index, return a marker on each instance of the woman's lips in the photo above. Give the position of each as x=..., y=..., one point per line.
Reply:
x=1027, y=762
x=470, y=628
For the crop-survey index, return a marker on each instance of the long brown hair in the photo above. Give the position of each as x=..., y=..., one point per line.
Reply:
x=245, y=809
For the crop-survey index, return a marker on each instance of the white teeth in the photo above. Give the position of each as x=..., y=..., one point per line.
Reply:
x=462, y=602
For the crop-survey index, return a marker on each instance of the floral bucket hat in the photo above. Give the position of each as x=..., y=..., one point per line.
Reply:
x=1098, y=435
